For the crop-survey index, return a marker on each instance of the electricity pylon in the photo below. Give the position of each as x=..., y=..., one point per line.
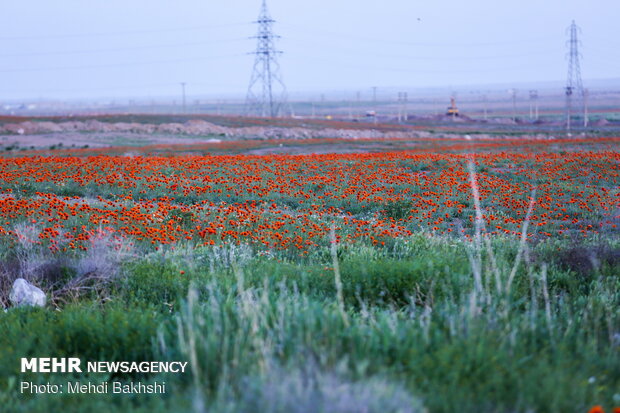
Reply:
x=574, y=85
x=266, y=95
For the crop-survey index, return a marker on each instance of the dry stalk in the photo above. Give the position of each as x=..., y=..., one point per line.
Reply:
x=334, y=253
x=545, y=290
x=79, y=286
x=522, y=243
x=478, y=235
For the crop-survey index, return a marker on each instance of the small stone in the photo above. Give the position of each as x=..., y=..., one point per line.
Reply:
x=25, y=294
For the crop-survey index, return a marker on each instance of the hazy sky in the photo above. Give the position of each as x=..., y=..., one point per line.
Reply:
x=145, y=48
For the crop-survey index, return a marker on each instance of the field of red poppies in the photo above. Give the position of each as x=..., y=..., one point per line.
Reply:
x=411, y=275
x=289, y=202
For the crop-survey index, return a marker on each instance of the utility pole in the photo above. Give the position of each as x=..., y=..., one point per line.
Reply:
x=586, y=96
x=513, y=93
x=374, y=102
x=183, y=96
x=266, y=95
x=402, y=106
x=574, y=84
x=534, y=104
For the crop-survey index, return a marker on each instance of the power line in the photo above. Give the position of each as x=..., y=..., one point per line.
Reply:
x=314, y=32
x=93, y=89
x=348, y=51
x=125, y=64
x=120, y=49
x=121, y=33
x=411, y=70
x=117, y=86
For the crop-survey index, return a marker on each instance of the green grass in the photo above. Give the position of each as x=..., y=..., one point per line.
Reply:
x=257, y=329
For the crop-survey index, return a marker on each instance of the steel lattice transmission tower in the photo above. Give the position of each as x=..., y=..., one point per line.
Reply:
x=266, y=95
x=574, y=86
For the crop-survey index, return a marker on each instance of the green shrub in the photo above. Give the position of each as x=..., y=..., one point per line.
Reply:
x=88, y=331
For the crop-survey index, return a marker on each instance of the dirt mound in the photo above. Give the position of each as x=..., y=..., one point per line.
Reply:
x=600, y=122
x=194, y=128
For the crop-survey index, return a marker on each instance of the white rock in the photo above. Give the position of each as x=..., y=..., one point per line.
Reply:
x=23, y=293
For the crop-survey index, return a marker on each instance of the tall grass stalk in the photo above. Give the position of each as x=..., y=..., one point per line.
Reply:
x=523, y=241
x=337, y=279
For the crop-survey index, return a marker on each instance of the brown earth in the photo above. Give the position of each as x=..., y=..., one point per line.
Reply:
x=195, y=128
